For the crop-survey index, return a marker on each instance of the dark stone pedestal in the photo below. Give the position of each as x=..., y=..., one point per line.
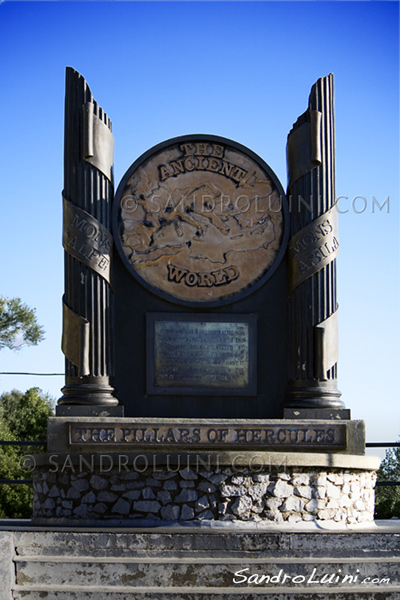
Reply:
x=317, y=413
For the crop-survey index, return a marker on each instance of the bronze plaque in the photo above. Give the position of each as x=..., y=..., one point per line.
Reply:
x=201, y=354
x=200, y=219
x=223, y=434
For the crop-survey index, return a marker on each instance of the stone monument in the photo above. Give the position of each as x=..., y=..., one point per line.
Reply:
x=200, y=335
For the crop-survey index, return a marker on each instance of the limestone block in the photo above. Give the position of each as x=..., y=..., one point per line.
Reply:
x=215, y=478
x=146, y=506
x=54, y=492
x=98, y=483
x=346, y=488
x=207, y=515
x=73, y=494
x=300, y=479
x=281, y=489
x=292, y=504
x=304, y=491
x=274, y=515
x=258, y=491
x=261, y=477
x=325, y=514
x=345, y=501
x=294, y=518
x=273, y=503
x=122, y=507
x=170, y=485
x=170, y=512
x=206, y=486
x=223, y=507
x=152, y=482
x=187, y=513
x=188, y=474
x=237, y=480
x=105, y=496
x=320, y=479
x=148, y=494
x=81, y=485
x=132, y=495
x=164, y=475
x=340, y=516
x=88, y=498
x=187, y=495
x=186, y=484
x=312, y=506
x=135, y=485
x=332, y=491
x=81, y=511
x=258, y=506
x=202, y=504
x=232, y=490
x=242, y=505
x=359, y=505
x=309, y=517
x=164, y=497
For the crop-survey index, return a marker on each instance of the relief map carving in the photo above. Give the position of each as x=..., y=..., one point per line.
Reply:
x=199, y=220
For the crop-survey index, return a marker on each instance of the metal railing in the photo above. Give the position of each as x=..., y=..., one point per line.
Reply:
x=384, y=445
x=15, y=443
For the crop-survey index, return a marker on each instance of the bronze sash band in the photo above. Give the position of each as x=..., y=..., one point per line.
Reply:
x=87, y=240
x=312, y=248
x=75, y=340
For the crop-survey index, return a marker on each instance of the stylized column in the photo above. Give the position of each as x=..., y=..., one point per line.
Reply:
x=312, y=253
x=87, y=241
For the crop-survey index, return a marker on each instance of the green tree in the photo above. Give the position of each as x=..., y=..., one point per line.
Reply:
x=18, y=324
x=23, y=417
x=387, y=498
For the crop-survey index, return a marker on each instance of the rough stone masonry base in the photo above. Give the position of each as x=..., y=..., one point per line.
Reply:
x=276, y=491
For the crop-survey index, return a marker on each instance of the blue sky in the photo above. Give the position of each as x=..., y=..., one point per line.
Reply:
x=242, y=70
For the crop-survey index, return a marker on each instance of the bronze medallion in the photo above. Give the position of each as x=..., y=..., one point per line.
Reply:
x=201, y=220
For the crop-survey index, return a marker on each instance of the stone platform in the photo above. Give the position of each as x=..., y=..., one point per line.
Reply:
x=187, y=470
x=200, y=563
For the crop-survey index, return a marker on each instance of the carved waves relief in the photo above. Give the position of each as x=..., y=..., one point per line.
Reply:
x=200, y=221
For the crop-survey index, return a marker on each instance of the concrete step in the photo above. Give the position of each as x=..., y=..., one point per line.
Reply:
x=157, y=593
x=206, y=564
x=210, y=542
x=203, y=572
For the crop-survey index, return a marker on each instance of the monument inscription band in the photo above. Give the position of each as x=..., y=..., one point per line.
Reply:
x=222, y=434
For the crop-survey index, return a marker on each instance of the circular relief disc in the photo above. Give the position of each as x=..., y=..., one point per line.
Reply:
x=200, y=220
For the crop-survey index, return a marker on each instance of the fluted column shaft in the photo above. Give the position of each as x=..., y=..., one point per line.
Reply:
x=87, y=197
x=312, y=254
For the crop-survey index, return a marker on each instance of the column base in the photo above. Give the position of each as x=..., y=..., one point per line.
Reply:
x=88, y=391
x=313, y=394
